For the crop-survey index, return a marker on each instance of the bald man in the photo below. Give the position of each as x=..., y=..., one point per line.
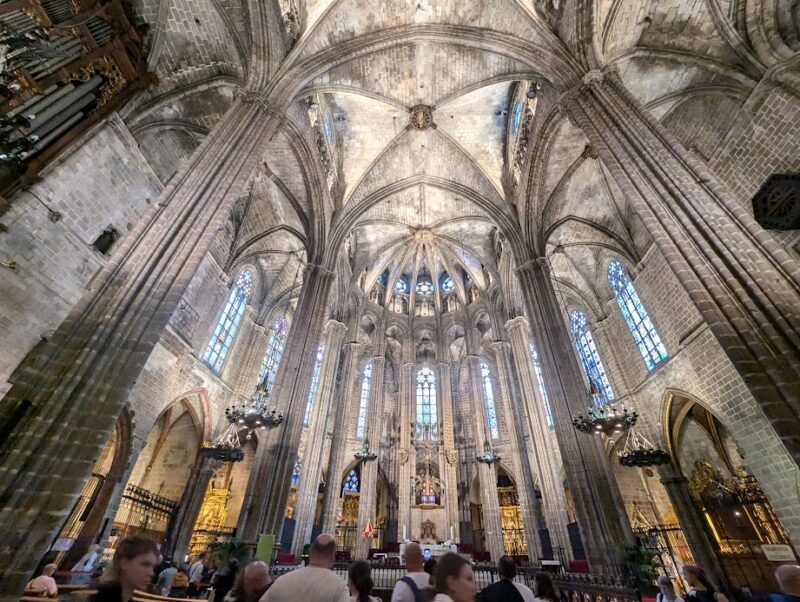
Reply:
x=315, y=582
x=788, y=578
x=415, y=586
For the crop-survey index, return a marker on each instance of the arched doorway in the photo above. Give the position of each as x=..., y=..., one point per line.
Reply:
x=736, y=512
x=162, y=471
x=83, y=526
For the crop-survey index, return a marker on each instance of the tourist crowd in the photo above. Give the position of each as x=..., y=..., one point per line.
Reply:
x=137, y=565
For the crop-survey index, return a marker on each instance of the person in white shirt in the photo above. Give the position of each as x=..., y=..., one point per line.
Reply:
x=415, y=563
x=315, y=582
x=45, y=582
x=196, y=575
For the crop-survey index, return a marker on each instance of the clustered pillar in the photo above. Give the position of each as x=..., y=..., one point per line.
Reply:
x=369, y=469
x=545, y=452
x=603, y=523
x=268, y=490
x=311, y=471
x=516, y=437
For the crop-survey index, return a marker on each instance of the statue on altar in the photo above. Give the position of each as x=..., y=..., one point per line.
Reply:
x=428, y=487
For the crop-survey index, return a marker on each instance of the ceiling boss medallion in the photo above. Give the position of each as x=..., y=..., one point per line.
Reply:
x=422, y=117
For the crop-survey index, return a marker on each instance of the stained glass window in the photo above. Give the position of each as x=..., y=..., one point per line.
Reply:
x=351, y=484
x=424, y=286
x=401, y=286
x=363, y=406
x=584, y=343
x=448, y=285
x=272, y=359
x=326, y=124
x=644, y=333
x=426, y=397
x=296, y=472
x=537, y=370
x=312, y=394
x=516, y=117
x=488, y=402
x=228, y=323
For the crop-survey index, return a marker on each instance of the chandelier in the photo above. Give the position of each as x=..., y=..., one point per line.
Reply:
x=606, y=419
x=638, y=451
x=488, y=456
x=248, y=416
x=364, y=454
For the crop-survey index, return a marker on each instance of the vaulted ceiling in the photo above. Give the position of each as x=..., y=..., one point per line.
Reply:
x=413, y=194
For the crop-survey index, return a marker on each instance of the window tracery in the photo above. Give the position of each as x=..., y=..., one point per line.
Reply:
x=228, y=323
x=537, y=370
x=272, y=359
x=644, y=332
x=363, y=406
x=426, y=397
x=488, y=402
x=312, y=394
x=590, y=358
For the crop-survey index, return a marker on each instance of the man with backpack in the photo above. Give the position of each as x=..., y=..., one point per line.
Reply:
x=415, y=586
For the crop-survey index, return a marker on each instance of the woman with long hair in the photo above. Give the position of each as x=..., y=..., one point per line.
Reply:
x=543, y=589
x=700, y=587
x=455, y=581
x=360, y=582
x=667, y=593
x=132, y=568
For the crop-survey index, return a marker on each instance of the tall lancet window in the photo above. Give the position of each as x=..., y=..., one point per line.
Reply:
x=537, y=370
x=298, y=464
x=272, y=359
x=228, y=323
x=584, y=343
x=644, y=333
x=363, y=406
x=312, y=393
x=488, y=402
x=426, y=397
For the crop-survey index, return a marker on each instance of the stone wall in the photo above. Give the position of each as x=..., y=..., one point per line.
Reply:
x=102, y=180
x=696, y=366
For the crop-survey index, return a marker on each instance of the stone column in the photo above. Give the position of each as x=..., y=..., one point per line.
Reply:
x=369, y=470
x=745, y=285
x=408, y=455
x=180, y=530
x=311, y=471
x=338, y=461
x=75, y=384
x=603, y=523
x=449, y=454
x=691, y=521
x=268, y=489
x=516, y=437
x=487, y=475
x=546, y=456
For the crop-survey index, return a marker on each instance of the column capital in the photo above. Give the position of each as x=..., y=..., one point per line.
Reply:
x=320, y=269
x=534, y=264
x=332, y=326
x=254, y=97
x=500, y=345
x=517, y=323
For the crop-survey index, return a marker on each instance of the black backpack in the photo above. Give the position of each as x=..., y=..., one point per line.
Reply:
x=420, y=595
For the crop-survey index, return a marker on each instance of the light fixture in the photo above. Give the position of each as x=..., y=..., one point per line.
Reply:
x=364, y=454
x=488, y=456
x=606, y=419
x=639, y=452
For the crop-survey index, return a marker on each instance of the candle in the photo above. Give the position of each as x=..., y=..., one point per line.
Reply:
x=451, y=533
x=404, y=532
